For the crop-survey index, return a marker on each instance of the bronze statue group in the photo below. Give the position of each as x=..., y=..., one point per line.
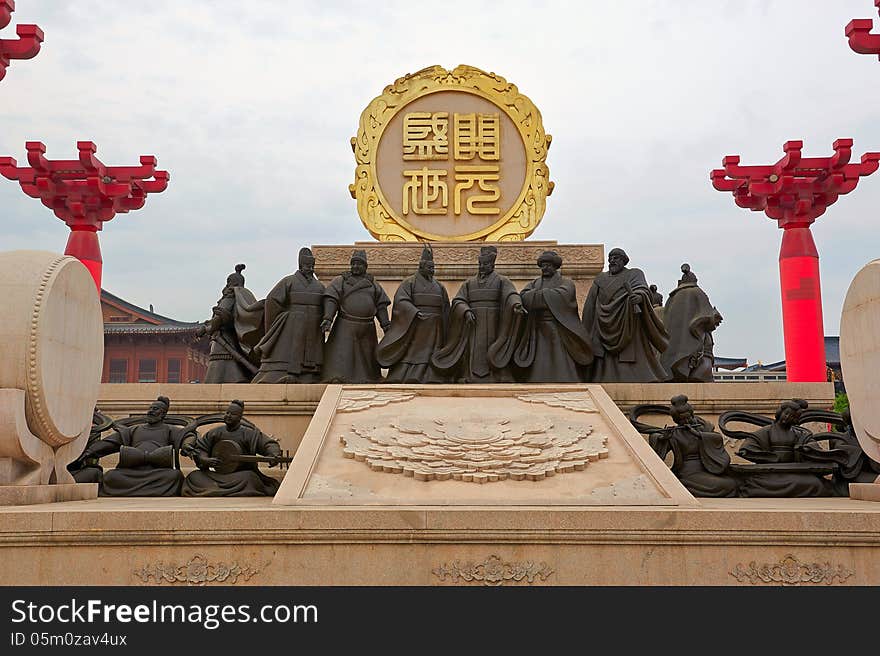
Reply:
x=782, y=458
x=226, y=457
x=488, y=333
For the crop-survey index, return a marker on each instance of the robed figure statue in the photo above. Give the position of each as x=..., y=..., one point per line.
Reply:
x=147, y=456
x=788, y=459
x=219, y=474
x=235, y=327
x=418, y=326
x=625, y=332
x=699, y=458
x=553, y=346
x=292, y=350
x=690, y=318
x=483, y=326
x=357, y=301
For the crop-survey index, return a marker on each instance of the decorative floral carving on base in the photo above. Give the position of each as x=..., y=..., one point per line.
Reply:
x=493, y=571
x=791, y=571
x=577, y=401
x=479, y=448
x=354, y=400
x=196, y=571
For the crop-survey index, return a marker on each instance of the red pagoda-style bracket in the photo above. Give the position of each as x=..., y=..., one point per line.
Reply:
x=794, y=192
x=84, y=193
x=26, y=46
x=858, y=31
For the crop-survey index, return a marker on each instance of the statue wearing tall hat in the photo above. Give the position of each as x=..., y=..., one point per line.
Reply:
x=235, y=327
x=483, y=326
x=553, y=346
x=356, y=301
x=418, y=326
x=292, y=351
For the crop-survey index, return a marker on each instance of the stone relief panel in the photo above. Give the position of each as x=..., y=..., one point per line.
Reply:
x=477, y=448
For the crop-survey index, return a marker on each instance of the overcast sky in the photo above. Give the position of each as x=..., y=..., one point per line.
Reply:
x=251, y=105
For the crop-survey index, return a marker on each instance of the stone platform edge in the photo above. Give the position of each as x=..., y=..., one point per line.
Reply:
x=250, y=542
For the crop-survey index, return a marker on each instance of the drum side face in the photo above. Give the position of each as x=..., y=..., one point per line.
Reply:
x=860, y=355
x=20, y=275
x=65, y=352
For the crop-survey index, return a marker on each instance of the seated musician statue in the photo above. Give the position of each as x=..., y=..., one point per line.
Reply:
x=147, y=456
x=700, y=460
x=786, y=460
x=227, y=458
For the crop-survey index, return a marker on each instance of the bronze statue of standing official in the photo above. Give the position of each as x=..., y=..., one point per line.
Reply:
x=553, y=345
x=625, y=332
x=418, y=327
x=483, y=326
x=356, y=301
x=292, y=350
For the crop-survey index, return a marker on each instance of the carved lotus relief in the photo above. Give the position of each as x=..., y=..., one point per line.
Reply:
x=474, y=448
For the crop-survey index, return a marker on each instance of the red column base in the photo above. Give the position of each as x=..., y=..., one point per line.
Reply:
x=802, y=307
x=83, y=245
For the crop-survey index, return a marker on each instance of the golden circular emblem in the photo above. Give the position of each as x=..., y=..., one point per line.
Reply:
x=451, y=156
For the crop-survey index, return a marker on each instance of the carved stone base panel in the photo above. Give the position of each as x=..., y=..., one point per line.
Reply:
x=195, y=542
x=437, y=445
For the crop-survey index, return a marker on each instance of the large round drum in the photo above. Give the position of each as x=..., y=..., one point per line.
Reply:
x=51, y=341
x=860, y=355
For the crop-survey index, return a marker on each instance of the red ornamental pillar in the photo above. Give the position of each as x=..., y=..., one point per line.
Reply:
x=83, y=245
x=794, y=192
x=801, y=306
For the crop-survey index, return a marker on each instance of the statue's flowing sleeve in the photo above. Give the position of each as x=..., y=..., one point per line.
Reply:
x=249, y=315
x=332, y=297
x=275, y=319
x=459, y=333
x=809, y=449
x=396, y=341
x=756, y=447
x=588, y=320
x=380, y=298
x=561, y=301
x=203, y=446
x=713, y=455
x=502, y=349
x=265, y=445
